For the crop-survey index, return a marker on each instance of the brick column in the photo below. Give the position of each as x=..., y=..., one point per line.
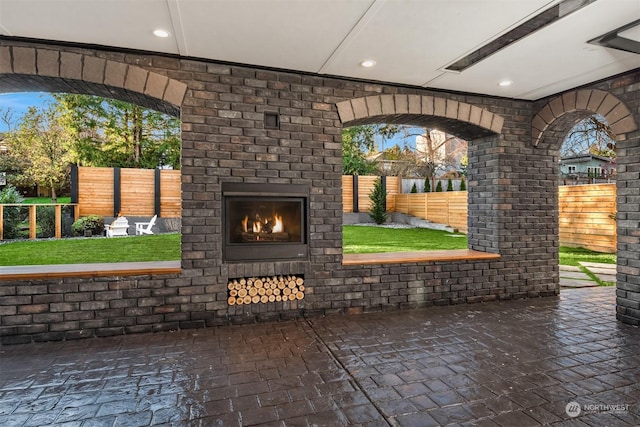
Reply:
x=483, y=195
x=628, y=201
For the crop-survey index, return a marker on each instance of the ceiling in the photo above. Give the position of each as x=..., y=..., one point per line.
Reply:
x=411, y=41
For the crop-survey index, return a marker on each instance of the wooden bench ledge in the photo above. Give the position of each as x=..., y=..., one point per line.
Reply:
x=43, y=272
x=422, y=256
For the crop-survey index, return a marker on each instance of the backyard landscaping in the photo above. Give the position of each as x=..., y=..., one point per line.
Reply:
x=163, y=247
x=166, y=247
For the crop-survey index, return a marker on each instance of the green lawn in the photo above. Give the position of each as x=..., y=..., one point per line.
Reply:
x=161, y=247
x=36, y=200
x=358, y=239
x=166, y=247
x=572, y=256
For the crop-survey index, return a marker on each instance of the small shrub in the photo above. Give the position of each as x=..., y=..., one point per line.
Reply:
x=463, y=185
x=439, y=187
x=414, y=189
x=378, y=199
x=94, y=223
x=449, y=185
x=11, y=214
x=427, y=185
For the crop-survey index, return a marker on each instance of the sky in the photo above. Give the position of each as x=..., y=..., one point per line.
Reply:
x=19, y=102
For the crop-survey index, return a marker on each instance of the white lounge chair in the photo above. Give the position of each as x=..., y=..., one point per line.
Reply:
x=119, y=227
x=145, y=227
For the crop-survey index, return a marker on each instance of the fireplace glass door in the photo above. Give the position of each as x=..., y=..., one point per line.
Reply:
x=264, y=222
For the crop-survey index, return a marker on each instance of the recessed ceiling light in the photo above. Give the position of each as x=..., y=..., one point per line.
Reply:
x=161, y=33
x=505, y=83
x=368, y=63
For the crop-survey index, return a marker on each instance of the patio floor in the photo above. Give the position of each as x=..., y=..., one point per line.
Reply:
x=517, y=363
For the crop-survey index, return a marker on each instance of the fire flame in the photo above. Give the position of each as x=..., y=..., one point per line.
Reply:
x=258, y=227
x=279, y=227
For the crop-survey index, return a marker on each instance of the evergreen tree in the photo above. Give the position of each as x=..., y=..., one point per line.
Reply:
x=439, y=187
x=378, y=199
x=463, y=185
x=414, y=189
x=427, y=185
x=449, y=185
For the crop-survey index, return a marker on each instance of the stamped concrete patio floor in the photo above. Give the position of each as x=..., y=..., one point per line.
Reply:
x=517, y=363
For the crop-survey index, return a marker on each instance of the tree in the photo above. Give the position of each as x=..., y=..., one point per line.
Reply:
x=414, y=188
x=463, y=185
x=378, y=199
x=42, y=147
x=464, y=165
x=449, y=184
x=357, y=142
x=438, y=151
x=11, y=164
x=427, y=185
x=590, y=136
x=439, y=187
x=114, y=133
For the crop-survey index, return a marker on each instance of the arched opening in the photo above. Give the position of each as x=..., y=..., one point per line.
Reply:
x=424, y=207
x=463, y=120
x=41, y=69
x=552, y=125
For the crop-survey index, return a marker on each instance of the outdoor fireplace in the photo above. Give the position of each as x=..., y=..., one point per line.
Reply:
x=264, y=222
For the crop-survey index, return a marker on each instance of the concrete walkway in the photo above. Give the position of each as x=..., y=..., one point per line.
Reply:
x=575, y=277
x=562, y=361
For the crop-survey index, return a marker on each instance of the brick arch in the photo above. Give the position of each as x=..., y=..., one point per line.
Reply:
x=458, y=118
x=580, y=104
x=44, y=69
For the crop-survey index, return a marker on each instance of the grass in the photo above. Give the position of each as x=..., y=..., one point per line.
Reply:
x=161, y=247
x=573, y=256
x=166, y=247
x=359, y=239
x=36, y=200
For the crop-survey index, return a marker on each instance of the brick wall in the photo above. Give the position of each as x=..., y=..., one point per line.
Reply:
x=513, y=205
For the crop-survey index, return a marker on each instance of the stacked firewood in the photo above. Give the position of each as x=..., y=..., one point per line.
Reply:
x=254, y=290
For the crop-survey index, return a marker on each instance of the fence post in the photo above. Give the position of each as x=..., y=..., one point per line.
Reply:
x=157, y=191
x=74, y=183
x=58, y=221
x=32, y=221
x=383, y=183
x=356, y=196
x=116, y=192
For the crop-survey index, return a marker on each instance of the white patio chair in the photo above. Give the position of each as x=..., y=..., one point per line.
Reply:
x=119, y=227
x=145, y=227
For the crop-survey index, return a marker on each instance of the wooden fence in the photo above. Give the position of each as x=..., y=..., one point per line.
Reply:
x=586, y=212
x=33, y=225
x=363, y=185
x=128, y=192
x=442, y=208
x=586, y=217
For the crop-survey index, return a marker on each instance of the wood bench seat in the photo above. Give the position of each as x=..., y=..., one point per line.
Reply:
x=421, y=256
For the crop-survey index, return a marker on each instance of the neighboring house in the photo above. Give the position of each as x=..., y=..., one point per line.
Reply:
x=588, y=166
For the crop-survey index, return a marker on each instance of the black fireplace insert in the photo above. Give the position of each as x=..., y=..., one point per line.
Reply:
x=264, y=222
